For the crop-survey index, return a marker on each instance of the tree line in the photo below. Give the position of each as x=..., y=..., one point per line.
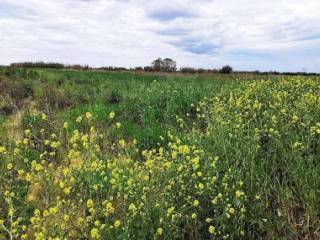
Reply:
x=158, y=65
x=52, y=65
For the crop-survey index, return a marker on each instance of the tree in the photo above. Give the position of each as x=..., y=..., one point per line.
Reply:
x=157, y=64
x=168, y=65
x=165, y=65
x=226, y=69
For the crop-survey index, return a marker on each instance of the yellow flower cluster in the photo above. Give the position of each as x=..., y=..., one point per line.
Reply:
x=116, y=191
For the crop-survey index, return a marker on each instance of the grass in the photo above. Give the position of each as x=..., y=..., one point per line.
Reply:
x=204, y=156
x=143, y=102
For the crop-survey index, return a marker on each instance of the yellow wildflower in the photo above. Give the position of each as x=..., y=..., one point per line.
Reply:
x=94, y=233
x=9, y=166
x=66, y=217
x=88, y=115
x=132, y=207
x=38, y=167
x=43, y=116
x=67, y=190
x=2, y=149
x=122, y=143
x=195, y=203
x=159, y=231
x=232, y=210
x=90, y=203
x=211, y=229
x=239, y=193
x=79, y=119
x=112, y=115
x=109, y=208
x=117, y=223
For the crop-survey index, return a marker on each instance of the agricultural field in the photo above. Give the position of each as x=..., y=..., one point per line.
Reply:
x=126, y=155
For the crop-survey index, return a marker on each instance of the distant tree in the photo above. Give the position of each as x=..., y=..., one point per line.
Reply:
x=164, y=65
x=226, y=69
x=157, y=64
x=168, y=65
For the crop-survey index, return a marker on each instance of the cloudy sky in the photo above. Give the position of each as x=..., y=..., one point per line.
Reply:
x=247, y=34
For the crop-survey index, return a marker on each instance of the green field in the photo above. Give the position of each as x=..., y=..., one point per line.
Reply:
x=128, y=155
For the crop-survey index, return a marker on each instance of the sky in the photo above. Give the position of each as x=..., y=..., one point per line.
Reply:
x=281, y=35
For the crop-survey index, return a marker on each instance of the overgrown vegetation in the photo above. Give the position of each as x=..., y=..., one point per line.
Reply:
x=121, y=155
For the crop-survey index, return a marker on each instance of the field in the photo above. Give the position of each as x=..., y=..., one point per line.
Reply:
x=124, y=155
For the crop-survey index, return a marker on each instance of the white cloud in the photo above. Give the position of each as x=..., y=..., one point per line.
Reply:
x=249, y=34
